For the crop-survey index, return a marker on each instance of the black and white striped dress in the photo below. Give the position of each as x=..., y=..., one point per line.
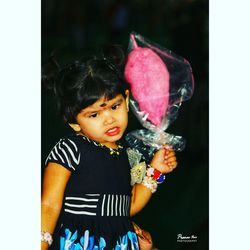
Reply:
x=95, y=212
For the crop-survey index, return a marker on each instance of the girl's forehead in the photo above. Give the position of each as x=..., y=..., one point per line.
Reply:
x=104, y=101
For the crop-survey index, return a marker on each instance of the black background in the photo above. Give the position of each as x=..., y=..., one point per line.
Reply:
x=76, y=28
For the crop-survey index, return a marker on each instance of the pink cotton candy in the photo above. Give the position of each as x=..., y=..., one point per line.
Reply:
x=149, y=78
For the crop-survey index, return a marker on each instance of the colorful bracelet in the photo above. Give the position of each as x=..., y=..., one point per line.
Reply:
x=150, y=183
x=46, y=237
x=155, y=174
x=152, y=178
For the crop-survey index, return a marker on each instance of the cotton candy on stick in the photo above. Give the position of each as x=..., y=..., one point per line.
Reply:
x=149, y=79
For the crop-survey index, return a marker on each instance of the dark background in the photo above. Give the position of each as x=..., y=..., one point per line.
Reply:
x=76, y=28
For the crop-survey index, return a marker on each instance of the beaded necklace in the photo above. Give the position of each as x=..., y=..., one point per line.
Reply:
x=114, y=152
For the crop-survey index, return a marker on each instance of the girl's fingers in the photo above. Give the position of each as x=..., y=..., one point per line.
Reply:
x=169, y=153
x=165, y=156
x=170, y=159
x=166, y=146
x=171, y=164
x=171, y=169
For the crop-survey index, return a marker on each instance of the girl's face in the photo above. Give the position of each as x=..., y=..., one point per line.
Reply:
x=104, y=121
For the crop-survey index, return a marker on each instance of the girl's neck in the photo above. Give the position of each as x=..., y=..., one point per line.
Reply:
x=112, y=145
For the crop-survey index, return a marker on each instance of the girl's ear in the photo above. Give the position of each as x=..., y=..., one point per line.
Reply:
x=127, y=99
x=75, y=127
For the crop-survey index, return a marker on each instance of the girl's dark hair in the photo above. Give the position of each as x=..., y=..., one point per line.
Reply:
x=82, y=83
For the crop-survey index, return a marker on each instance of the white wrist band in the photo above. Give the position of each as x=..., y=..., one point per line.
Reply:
x=46, y=237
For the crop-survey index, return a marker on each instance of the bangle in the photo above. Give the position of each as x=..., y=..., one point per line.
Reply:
x=46, y=237
x=155, y=174
x=150, y=183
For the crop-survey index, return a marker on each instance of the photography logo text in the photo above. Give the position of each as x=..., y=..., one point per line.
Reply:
x=186, y=238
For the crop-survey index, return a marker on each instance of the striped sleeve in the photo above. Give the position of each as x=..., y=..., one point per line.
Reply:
x=65, y=153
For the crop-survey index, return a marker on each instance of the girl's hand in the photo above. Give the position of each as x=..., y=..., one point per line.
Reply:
x=164, y=160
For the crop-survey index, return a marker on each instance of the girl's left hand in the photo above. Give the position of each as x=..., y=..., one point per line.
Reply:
x=164, y=160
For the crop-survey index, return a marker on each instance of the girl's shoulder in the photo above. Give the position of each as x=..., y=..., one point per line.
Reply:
x=66, y=152
x=77, y=140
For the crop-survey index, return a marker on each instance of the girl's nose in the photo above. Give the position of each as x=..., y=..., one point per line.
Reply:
x=109, y=119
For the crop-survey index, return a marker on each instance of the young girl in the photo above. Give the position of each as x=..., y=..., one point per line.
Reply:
x=87, y=197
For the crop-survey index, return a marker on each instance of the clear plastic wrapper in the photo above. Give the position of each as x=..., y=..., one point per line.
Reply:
x=160, y=81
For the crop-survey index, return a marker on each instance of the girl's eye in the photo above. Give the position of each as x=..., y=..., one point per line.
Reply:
x=93, y=115
x=116, y=106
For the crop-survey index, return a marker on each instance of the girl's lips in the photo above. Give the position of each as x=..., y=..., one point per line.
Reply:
x=113, y=131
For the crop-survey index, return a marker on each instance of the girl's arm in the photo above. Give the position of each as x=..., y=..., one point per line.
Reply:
x=140, y=197
x=164, y=160
x=54, y=183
